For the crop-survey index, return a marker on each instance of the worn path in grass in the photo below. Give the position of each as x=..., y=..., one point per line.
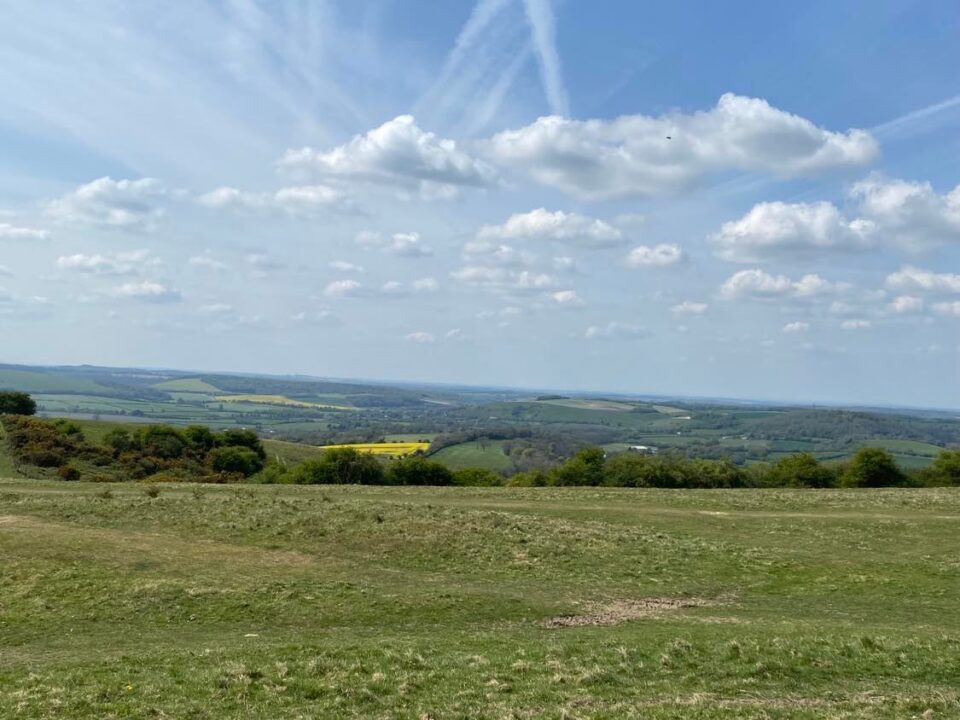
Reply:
x=349, y=602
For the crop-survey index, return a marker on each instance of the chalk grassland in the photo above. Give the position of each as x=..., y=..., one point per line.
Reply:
x=278, y=400
x=371, y=602
x=488, y=455
x=392, y=449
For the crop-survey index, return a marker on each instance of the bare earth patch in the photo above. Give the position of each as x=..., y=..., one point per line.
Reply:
x=623, y=610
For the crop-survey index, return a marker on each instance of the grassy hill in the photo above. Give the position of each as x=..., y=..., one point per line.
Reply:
x=488, y=455
x=351, y=602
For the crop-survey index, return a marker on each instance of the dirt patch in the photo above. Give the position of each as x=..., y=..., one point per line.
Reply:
x=623, y=610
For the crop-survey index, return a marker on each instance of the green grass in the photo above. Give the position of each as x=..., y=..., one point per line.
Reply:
x=350, y=602
x=487, y=455
x=290, y=453
x=188, y=385
x=40, y=382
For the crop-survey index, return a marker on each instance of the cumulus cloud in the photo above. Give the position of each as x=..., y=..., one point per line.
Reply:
x=125, y=263
x=543, y=225
x=951, y=309
x=130, y=204
x=12, y=232
x=776, y=229
x=615, y=330
x=501, y=279
x=757, y=284
x=397, y=288
x=396, y=153
x=421, y=337
x=206, y=262
x=856, y=324
x=688, y=307
x=914, y=279
x=489, y=253
x=794, y=328
x=567, y=298
x=294, y=201
x=908, y=214
x=147, y=291
x=342, y=288
x=344, y=266
x=906, y=304
x=406, y=245
x=632, y=155
x=657, y=256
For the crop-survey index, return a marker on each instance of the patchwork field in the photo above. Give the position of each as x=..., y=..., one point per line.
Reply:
x=352, y=602
x=392, y=449
x=278, y=400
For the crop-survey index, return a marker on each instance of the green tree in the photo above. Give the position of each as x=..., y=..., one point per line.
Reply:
x=800, y=470
x=17, y=403
x=199, y=437
x=418, y=471
x=235, y=459
x=242, y=438
x=945, y=469
x=584, y=468
x=872, y=467
x=338, y=466
x=476, y=477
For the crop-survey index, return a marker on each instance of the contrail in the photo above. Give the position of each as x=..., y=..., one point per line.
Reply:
x=898, y=125
x=544, y=27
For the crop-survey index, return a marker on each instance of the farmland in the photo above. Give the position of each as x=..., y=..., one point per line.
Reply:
x=390, y=449
x=350, y=602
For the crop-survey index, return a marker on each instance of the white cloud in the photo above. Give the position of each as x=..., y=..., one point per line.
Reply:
x=423, y=285
x=147, y=291
x=131, y=204
x=855, y=324
x=12, y=232
x=342, y=288
x=406, y=245
x=456, y=334
x=690, y=308
x=294, y=201
x=632, y=155
x=906, y=304
x=544, y=26
x=909, y=278
x=5, y=271
x=540, y=224
x=657, y=256
x=776, y=229
x=908, y=214
x=427, y=284
x=215, y=309
x=759, y=285
x=206, y=262
x=396, y=153
x=793, y=328
x=485, y=252
x=615, y=330
x=344, y=266
x=567, y=298
x=125, y=263
x=565, y=264
x=503, y=279
x=421, y=337
x=947, y=308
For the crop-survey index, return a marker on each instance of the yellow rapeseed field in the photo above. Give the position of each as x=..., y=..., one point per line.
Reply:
x=394, y=449
x=279, y=400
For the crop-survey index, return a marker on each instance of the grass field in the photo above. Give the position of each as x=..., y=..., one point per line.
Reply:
x=351, y=602
x=392, y=449
x=488, y=455
x=278, y=400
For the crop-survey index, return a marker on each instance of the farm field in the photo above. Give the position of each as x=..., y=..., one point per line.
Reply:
x=392, y=449
x=358, y=602
x=487, y=455
x=278, y=400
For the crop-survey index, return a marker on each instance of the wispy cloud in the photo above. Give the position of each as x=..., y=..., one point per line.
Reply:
x=543, y=25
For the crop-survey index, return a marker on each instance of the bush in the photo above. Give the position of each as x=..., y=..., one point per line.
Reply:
x=338, y=466
x=161, y=441
x=801, y=470
x=585, y=468
x=68, y=472
x=119, y=441
x=944, y=471
x=200, y=437
x=872, y=467
x=242, y=438
x=476, y=477
x=235, y=459
x=17, y=403
x=418, y=471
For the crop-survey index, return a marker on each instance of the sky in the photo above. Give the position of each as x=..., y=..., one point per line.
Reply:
x=739, y=199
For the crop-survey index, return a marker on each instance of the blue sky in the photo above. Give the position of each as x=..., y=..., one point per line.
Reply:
x=757, y=200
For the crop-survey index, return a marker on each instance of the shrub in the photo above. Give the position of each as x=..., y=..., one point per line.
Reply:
x=68, y=472
x=119, y=441
x=418, y=471
x=584, y=468
x=338, y=466
x=872, y=467
x=161, y=441
x=17, y=403
x=242, y=438
x=235, y=459
x=801, y=470
x=151, y=491
x=199, y=437
x=945, y=469
x=476, y=477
